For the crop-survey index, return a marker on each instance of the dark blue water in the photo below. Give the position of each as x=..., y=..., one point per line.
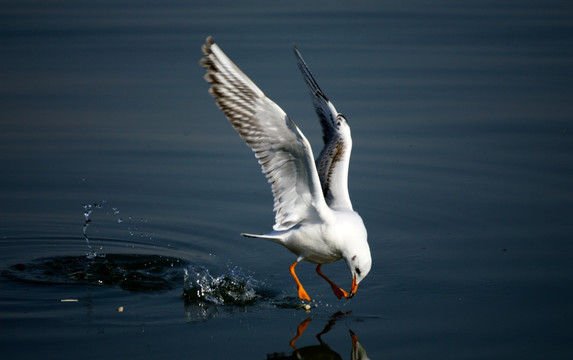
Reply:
x=462, y=169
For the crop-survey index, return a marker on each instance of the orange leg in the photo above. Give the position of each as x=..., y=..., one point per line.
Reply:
x=301, y=292
x=299, y=330
x=354, y=339
x=337, y=290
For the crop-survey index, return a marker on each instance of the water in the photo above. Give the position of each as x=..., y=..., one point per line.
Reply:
x=462, y=168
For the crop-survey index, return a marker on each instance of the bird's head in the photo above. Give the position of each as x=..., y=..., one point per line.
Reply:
x=359, y=261
x=359, y=265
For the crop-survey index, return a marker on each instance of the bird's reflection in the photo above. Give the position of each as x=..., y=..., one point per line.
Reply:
x=322, y=350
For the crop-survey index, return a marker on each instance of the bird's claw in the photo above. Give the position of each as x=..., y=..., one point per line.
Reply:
x=340, y=293
x=302, y=294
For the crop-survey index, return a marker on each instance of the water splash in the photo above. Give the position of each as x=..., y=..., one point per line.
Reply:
x=88, y=209
x=231, y=288
x=132, y=226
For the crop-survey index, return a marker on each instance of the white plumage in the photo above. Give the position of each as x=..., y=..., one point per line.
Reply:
x=314, y=218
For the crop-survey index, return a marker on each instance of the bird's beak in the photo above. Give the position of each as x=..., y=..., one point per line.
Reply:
x=353, y=288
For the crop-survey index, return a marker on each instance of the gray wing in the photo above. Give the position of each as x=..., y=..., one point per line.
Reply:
x=333, y=162
x=281, y=148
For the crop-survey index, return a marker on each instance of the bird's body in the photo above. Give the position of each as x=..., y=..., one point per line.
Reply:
x=330, y=237
x=314, y=217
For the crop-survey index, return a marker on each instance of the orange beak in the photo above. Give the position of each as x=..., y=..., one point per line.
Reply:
x=353, y=288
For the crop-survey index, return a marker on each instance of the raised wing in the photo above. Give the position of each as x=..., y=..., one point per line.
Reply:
x=333, y=162
x=280, y=147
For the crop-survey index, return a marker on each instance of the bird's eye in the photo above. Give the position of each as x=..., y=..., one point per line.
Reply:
x=357, y=270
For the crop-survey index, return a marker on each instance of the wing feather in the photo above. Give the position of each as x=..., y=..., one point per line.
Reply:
x=333, y=161
x=281, y=148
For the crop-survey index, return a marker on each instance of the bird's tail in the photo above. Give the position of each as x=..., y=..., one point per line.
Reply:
x=275, y=236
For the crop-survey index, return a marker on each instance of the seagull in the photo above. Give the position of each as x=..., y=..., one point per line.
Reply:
x=314, y=218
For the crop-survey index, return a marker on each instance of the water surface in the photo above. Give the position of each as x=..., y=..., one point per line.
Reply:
x=462, y=168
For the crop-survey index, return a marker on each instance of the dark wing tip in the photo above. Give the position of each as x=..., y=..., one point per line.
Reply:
x=206, y=62
x=206, y=48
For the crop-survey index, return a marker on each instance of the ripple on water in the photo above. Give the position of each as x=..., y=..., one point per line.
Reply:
x=205, y=296
x=135, y=273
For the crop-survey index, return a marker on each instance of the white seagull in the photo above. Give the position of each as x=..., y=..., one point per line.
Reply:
x=314, y=217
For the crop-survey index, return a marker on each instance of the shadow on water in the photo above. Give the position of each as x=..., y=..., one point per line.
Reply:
x=322, y=350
